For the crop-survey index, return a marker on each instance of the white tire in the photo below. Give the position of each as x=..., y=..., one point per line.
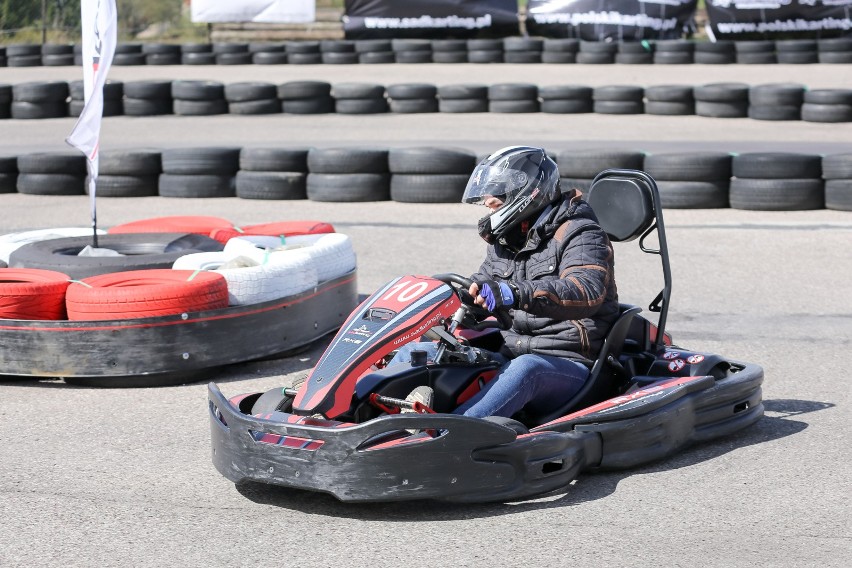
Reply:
x=12, y=241
x=332, y=252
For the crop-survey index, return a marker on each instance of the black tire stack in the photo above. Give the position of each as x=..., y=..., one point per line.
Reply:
x=635, y=53
x=39, y=99
x=796, y=51
x=133, y=173
x=722, y=100
x=485, y=51
x=52, y=173
x=57, y=55
x=161, y=53
x=836, y=50
x=147, y=98
x=231, y=53
x=113, y=95
x=566, y=99
x=449, y=51
x=755, y=52
x=560, y=50
x=197, y=54
x=5, y=100
x=306, y=97
x=674, y=52
x=371, y=51
x=776, y=101
x=777, y=181
x=252, y=97
x=694, y=180
x=272, y=173
x=837, y=172
x=128, y=54
x=412, y=98
x=597, y=52
x=338, y=52
x=669, y=100
x=199, y=172
x=619, y=99
x=720, y=52
x=303, y=53
x=429, y=175
x=827, y=105
x=199, y=98
x=23, y=55
x=464, y=97
x=267, y=53
x=577, y=168
x=522, y=49
x=348, y=174
x=412, y=50
x=359, y=98
x=513, y=98
x=8, y=174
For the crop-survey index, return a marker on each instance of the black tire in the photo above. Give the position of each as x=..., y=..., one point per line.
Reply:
x=302, y=47
x=775, y=112
x=558, y=57
x=673, y=58
x=795, y=45
x=576, y=92
x=162, y=59
x=838, y=194
x=304, y=58
x=619, y=93
x=777, y=94
x=40, y=92
x=160, y=49
x=519, y=106
x=670, y=93
x=777, y=194
x=485, y=44
x=829, y=96
x=670, y=108
x=797, y=58
x=587, y=58
x=153, y=89
x=23, y=61
x=198, y=59
x=711, y=58
x=141, y=251
x=813, y=112
x=411, y=57
x=8, y=182
x=485, y=56
x=415, y=45
x=130, y=163
x=831, y=57
x=197, y=185
x=634, y=58
x=413, y=106
x=250, y=91
x=358, y=91
x=567, y=106
x=128, y=59
x=674, y=46
x=721, y=46
x=361, y=106
x=561, y=45
x=348, y=188
x=722, y=92
x=689, y=166
x=147, y=107
x=586, y=164
x=713, y=109
x=268, y=106
x=464, y=91
x=298, y=90
x=322, y=105
x=694, y=194
x=337, y=46
x=372, y=45
x=761, y=58
x=274, y=159
x=22, y=49
x=376, y=57
x=522, y=44
x=200, y=108
x=272, y=401
x=463, y=105
x=127, y=185
x=29, y=111
x=522, y=57
x=513, y=92
x=598, y=47
x=233, y=58
x=271, y=185
x=449, y=45
x=52, y=163
x=412, y=91
x=110, y=108
x=339, y=58
x=619, y=107
x=347, y=160
x=776, y=165
x=209, y=160
x=51, y=184
x=198, y=90
x=269, y=58
x=837, y=166
x=449, y=57
x=431, y=161
x=58, y=60
x=413, y=188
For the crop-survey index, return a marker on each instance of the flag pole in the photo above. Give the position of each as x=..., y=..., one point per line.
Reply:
x=99, y=37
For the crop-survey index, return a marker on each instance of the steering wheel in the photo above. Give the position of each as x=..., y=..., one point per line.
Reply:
x=461, y=285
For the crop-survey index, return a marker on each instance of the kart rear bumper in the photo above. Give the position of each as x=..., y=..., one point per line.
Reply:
x=475, y=460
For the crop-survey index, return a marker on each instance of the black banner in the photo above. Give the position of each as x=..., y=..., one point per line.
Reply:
x=616, y=20
x=779, y=18
x=365, y=19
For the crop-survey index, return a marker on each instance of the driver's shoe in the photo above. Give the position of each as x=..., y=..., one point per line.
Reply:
x=423, y=395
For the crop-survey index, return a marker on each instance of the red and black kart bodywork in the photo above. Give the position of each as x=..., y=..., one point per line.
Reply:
x=336, y=436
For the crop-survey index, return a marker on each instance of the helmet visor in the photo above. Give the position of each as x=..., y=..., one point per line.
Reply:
x=493, y=181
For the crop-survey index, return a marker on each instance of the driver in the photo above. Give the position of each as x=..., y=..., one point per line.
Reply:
x=549, y=262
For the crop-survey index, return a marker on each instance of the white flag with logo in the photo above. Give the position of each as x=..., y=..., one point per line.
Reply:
x=99, y=38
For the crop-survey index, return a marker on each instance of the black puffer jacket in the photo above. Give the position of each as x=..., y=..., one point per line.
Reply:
x=564, y=274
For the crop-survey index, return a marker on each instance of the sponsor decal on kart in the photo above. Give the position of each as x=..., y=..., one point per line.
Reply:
x=669, y=355
x=676, y=365
x=694, y=359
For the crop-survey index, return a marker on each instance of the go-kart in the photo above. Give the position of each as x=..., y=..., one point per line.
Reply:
x=349, y=431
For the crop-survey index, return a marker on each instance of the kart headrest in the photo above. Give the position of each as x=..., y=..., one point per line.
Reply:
x=623, y=204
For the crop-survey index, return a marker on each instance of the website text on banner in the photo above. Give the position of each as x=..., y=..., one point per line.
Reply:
x=779, y=18
x=438, y=19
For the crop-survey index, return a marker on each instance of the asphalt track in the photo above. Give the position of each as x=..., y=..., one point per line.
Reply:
x=122, y=477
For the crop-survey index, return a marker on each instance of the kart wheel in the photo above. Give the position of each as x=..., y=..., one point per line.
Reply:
x=272, y=401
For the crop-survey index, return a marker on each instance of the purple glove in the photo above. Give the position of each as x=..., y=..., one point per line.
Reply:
x=496, y=294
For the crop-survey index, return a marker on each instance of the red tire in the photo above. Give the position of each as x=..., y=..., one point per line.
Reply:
x=32, y=294
x=286, y=228
x=197, y=224
x=145, y=294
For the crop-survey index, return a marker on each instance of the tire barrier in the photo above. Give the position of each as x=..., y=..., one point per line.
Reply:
x=145, y=294
x=769, y=181
x=772, y=101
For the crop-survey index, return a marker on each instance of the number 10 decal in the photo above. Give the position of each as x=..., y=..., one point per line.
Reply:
x=405, y=291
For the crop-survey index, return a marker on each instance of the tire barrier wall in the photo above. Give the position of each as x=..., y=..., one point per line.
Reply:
x=524, y=50
x=771, y=101
x=755, y=180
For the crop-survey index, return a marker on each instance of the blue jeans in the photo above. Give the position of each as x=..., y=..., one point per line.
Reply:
x=540, y=383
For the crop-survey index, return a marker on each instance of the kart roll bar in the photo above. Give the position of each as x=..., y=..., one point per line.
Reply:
x=627, y=204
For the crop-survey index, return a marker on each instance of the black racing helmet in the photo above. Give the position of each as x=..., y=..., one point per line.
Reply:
x=524, y=177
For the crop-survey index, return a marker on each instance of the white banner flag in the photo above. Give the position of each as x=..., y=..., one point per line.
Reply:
x=99, y=38
x=267, y=11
